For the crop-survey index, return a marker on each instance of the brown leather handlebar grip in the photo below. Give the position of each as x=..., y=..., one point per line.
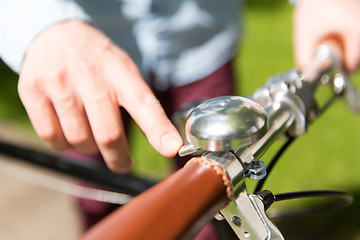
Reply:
x=176, y=208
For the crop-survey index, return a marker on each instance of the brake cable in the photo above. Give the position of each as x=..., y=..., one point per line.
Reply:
x=268, y=198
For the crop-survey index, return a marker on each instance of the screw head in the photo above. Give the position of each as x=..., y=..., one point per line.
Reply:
x=236, y=220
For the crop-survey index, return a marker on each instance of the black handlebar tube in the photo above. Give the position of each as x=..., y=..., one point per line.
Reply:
x=88, y=171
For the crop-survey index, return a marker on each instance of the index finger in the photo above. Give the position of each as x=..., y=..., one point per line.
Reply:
x=136, y=97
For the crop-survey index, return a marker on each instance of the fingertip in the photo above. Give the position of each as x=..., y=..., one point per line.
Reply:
x=117, y=157
x=121, y=167
x=170, y=144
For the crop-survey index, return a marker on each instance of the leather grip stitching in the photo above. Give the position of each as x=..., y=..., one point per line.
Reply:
x=218, y=169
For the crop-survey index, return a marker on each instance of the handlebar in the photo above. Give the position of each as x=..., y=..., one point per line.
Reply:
x=177, y=208
x=230, y=153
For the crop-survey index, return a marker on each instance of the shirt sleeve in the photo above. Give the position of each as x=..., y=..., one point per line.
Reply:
x=22, y=20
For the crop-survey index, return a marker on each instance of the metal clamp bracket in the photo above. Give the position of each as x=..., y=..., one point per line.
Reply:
x=246, y=212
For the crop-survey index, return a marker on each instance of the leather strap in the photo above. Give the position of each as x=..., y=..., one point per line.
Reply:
x=176, y=208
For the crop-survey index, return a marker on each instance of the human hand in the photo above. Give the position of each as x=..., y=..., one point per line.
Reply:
x=72, y=82
x=316, y=22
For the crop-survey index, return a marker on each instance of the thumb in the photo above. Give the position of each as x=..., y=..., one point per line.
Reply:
x=352, y=54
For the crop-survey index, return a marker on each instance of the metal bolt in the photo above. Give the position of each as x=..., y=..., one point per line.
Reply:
x=236, y=220
x=256, y=162
x=258, y=175
x=256, y=166
x=218, y=216
x=246, y=234
x=256, y=170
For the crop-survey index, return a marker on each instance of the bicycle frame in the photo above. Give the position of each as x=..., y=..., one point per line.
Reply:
x=289, y=103
x=213, y=184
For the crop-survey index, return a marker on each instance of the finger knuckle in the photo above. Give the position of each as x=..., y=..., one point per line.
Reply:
x=83, y=143
x=55, y=74
x=65, y=99
x=148, y=99
x=56, y=80
x=109, y=138
x=26, y=84
x=87, y=65
x=53, y=139
x=78, y=139
x=144, y=101
x=48, y=135
x=124, y=62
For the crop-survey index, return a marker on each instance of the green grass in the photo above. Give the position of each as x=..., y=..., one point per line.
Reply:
x=11, y=108
x=326, y=158
x=331, y=142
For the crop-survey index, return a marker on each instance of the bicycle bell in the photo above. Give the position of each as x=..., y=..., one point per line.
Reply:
x=226, y=123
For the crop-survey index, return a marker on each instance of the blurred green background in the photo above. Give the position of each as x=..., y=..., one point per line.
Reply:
x=326, y=158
